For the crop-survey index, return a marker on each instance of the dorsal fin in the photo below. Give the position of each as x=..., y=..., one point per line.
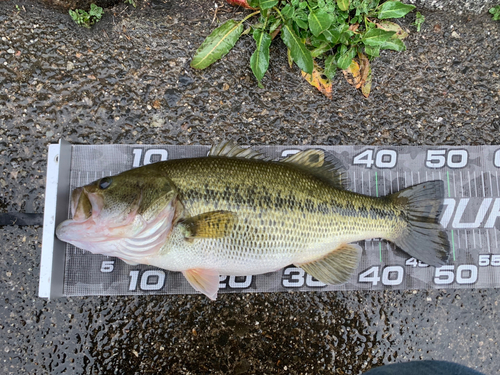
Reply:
x=232, y=150
x=321, y=165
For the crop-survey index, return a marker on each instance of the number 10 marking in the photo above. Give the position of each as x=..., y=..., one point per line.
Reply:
x=149, y=156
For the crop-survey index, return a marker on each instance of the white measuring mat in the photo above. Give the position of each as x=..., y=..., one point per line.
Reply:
x=471, y=216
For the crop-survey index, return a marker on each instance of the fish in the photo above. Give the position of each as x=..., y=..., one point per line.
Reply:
x=237, y=212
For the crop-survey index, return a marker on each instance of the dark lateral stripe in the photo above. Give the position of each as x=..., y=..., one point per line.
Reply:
x=19, y=218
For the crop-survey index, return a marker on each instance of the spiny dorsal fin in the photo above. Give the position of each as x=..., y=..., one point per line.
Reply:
x=215, y=224
x=232, y=150
x=323, y=166
x=337, y=267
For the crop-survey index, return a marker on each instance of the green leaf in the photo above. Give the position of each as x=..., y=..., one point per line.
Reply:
x=217, y=44
x=346, y=35
x=274, y=25
x=391, y=26
x=288, y=11
x=372, y=51
x=394, y=44
x=254, y=3
x=302, y=24
x=332, y=35
x=96, y=11
x=300, y=54
x=495, y=11
x=394, y=9
x=376, y=37
x=343, y=4
x=419, y=20
x=319, y=21
x=330, y=67
x=259, y=62
x=267, y=4
x=325, y=47
x=345, y=59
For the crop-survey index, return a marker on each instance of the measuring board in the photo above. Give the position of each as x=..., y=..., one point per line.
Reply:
x=470, y=215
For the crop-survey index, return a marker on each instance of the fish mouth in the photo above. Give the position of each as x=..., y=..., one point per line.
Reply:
x=132, y=240
x=84, y=204
x=69, y=229
x=85, y=208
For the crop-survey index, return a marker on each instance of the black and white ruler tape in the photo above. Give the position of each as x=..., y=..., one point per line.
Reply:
x=471, y=216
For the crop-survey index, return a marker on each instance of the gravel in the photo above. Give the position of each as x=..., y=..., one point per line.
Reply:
x=128, y=80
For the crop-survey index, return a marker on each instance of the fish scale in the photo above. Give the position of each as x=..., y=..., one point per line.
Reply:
x=317, y=215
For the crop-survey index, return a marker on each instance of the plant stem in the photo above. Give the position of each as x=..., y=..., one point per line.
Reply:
x=250, y=15
x=278, y=11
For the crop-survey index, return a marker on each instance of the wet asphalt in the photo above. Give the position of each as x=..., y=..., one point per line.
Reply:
x=128, y=80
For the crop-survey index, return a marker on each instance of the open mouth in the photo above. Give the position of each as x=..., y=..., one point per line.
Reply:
x=83, y=204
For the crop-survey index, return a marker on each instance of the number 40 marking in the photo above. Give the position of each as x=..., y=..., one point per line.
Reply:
x=391, y=275
x=383, y=158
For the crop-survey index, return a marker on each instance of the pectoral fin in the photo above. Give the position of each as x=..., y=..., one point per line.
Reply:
x=204, y=281
x=336, y=267
x=215, y=224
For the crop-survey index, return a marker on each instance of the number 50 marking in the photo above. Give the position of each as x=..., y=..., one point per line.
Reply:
x=439, y=158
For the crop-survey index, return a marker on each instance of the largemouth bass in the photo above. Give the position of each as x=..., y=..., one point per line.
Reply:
x=237, y=213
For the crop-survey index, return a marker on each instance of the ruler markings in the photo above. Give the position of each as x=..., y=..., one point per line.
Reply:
x=470, y=189
x=475, y=189
x=496, y=238
x=369, y=185
x=488, y=240
x=491, y=186
x=454, y=186
x=461, y=184
x=362, y=183
x=453, y=245
x=496, y=179
x=385, y=187
x=474, y=178
x=390, y=180
x=482, y=180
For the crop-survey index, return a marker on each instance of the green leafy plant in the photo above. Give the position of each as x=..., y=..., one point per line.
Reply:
x=419, y=20
x=496, y=12
x=131, y=2
x=87, y=19
x=321, y=36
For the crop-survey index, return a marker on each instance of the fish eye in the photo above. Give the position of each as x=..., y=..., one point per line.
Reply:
x=105, y=182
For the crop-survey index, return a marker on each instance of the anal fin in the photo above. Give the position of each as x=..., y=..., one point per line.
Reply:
x=337, y=266
x=204, y=281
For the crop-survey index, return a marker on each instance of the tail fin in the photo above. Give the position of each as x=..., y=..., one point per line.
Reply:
x=423, y=238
